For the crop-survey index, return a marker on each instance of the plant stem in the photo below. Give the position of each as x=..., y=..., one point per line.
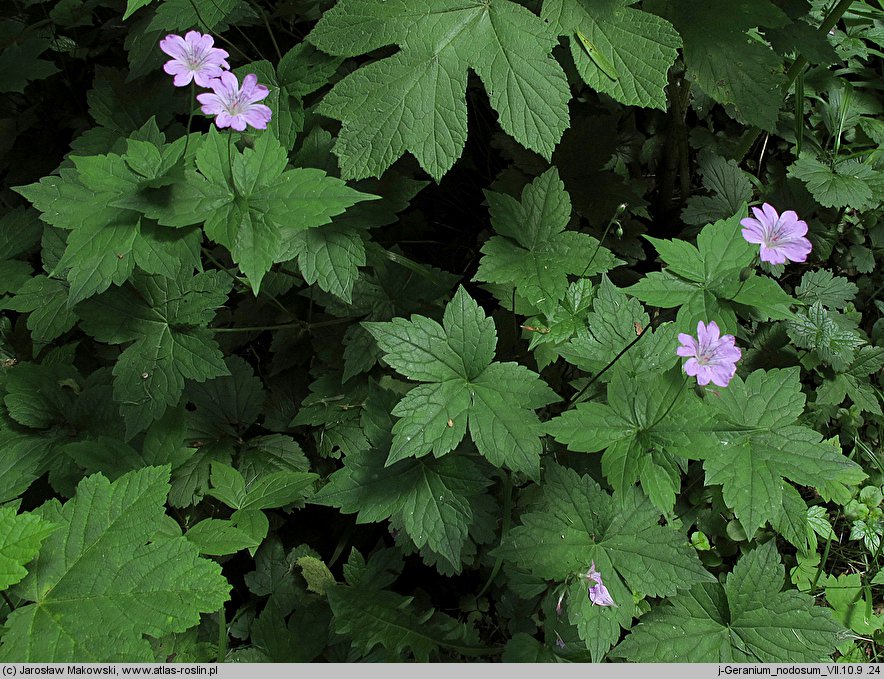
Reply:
x=222, y=635
x=189, y=117
x=8, y=601
x=507, y=510
x=797, y=67
x=595, y=377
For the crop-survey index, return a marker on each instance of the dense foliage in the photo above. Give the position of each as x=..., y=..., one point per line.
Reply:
x=440, y=330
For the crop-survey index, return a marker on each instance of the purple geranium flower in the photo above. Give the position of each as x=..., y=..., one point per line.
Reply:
x=193, y=58
x=712, y=358
x=598, y=593
x=781, y=236
x=236, y=107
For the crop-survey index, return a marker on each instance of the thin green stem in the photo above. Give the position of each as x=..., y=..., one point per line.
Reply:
x=797, y=67
x=189, y=117
x=220, y=37
x=8, y=601
x=595, y=377
x=222, y=635
x=611, y=221
x=263, y=14
x=230, y=158
x=261, y=328
x=825, y=558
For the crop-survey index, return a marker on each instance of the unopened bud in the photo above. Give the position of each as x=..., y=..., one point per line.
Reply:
x=746, y=272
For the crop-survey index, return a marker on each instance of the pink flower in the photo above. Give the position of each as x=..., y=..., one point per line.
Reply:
x=781, y=236
x=236, y=107
x=193, y=58
x=712, y=358
x=598, y=593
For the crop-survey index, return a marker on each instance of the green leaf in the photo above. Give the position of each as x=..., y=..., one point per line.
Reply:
x=431, y=498
x=747, y=620
x=133, y=6
x=533, y=252
x=572, y=523
x=705, y=280
x=831, y=335
x=614, y=322
x=165, y=318
x=106, y=578
x=218, y=537
x=639, y=431
x=728, y=65
x=846, y=184
x=631, y=50
x=254, y=206
x=760, y=442
x=729, y=186
x=496, y=400
x=19, y=63
x=20, y=538
x=45, y=301
x=824, y=287
x=371, y=617
x=415, y=100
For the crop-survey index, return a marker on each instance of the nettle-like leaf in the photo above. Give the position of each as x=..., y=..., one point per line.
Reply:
x=371, y=617
x=729, y=186
x=833, y=336
x=98, y=202
x=621, y=51
x=641, y=432
x=572, y=523
x=431, y=498
x=704, y=281
x=821, y=285
x=249, y=202
x=533, y=252
x=852, y=381
x=415, y=100
x=464, y=387
x=615, y=321
x=108, y=576
x=724, y=61
x=748, y=619
x=166, y=319
x=20, y=538
x=760, y=443
x=848, y=183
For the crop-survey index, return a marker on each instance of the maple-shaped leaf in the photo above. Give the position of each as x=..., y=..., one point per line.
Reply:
x=98, y=202
x=640, y=432
x=414, y=100
x=431, y=498
x=20, y=538
x=760, y=443
x=165, y=319
x=618, y=50
x=848, y=183
x=249, y=202
x=704, y=280
x=616, y=320
x=464, y=388
x=108, y=576
x=573, y=523
x=729, y=66
x=747, y=619
x=533, y=251
x=370, y=617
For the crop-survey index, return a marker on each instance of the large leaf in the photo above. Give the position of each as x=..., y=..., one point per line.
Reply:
x=464, y=388
x=108, y=577
x=748, y=619
x=415, y=100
